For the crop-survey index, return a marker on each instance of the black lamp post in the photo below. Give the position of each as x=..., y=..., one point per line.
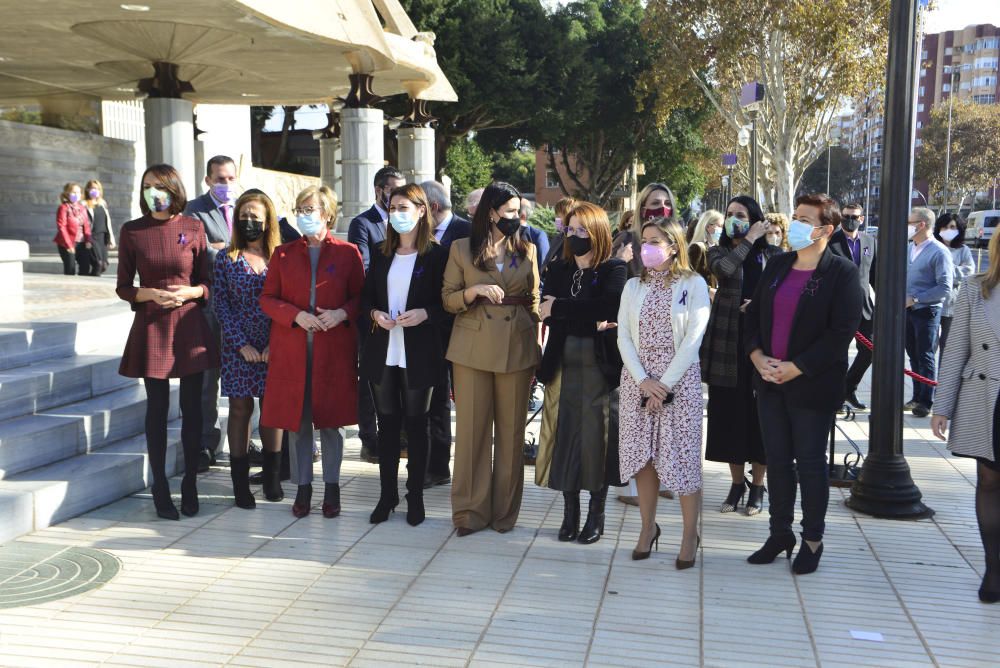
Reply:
x=885, y=488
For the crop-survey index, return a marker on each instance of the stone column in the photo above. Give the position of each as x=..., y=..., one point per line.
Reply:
x=330, y=169
x=363, y=155
x=416, y=153
x=170, y=137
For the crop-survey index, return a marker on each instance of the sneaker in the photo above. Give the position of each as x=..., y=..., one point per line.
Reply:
x=909, y=405
x=920, y=411
x=856, y=403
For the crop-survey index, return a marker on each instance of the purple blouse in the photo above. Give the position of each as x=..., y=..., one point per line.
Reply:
x=786, y=300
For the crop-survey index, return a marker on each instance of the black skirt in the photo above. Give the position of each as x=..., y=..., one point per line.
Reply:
x=733, y=426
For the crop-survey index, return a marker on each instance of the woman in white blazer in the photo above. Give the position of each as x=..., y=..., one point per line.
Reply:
x=968, y=391
x=661, y=321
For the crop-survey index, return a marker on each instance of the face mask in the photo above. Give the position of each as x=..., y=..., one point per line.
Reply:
x=662, y=212
x=74, y=198
x=93, y=193
x=224, y=192
x=508, y=226
x=851, y=224
x=402, y=221
x=653, y=256
x=736, y=228
x=717, y=235
x=156, y=199
x=251, y=229
x=774, y=239
x=578, y=246
x=911, y=230
x=949, y=235
x=559, y=225
x=309, y=225
x=800, y=235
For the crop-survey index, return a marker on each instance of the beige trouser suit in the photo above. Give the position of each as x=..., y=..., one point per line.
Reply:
x=494, y=352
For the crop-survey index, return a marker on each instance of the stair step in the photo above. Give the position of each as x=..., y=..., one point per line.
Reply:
x=51, y=263
x=86, y=426
x=45, y=496
x=44, y=385
x=102, y=328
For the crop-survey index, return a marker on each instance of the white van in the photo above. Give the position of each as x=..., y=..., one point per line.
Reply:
x=980, y=226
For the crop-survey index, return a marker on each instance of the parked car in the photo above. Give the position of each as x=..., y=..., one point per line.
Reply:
x=980, y=227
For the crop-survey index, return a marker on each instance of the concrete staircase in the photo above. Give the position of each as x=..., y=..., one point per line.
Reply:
x=71, y=428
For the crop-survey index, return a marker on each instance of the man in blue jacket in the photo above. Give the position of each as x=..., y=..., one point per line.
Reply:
x=537, y=236
x=928, y=283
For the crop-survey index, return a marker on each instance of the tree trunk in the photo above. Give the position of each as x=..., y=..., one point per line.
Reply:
x=287, y=124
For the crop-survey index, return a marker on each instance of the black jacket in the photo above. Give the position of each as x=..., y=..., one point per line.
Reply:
x=603, y=304
x=825, y=320
x=866, y=270
x=367, y=232
x=458, y=228
x=424, y=351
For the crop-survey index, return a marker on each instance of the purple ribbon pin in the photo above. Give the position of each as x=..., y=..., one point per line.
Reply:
x=513, y=262
x=182, y=238
x=418, y=272
x=329, y=269
x=684, y=298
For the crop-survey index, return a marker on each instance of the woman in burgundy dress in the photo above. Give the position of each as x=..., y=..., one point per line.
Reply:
x=170, y=336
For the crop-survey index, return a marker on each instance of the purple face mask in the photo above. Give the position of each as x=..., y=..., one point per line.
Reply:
x=224, y=192
x=74, y=197
x=653, y=256
x=93, y=193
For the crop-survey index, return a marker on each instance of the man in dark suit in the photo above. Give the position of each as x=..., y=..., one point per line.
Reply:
x=849, y=242
x=537, y=236
x=448, y=228
x=367, y=232
x=215, y=211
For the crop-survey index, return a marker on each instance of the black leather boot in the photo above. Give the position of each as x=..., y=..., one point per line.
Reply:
x=239, y=471
x=593, y=528
x=189, y=483
x=570, y=528
x=270, y=477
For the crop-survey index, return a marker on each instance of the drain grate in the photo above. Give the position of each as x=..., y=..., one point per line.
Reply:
x=32, y=573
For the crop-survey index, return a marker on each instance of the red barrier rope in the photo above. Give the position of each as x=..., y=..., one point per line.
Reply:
x=912, y=374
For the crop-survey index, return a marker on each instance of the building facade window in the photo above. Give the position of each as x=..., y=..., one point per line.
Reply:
x=551, y=181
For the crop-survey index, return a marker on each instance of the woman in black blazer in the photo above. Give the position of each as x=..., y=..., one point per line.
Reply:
x=403, y=357
x=581, y=369
x=803, y=316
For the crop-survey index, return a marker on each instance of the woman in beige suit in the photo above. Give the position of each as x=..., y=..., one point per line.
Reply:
x=968, y=395
x=491, y=285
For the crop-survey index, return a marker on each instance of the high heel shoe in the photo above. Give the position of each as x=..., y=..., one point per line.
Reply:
x=755, y=500
x=165, y=508
x=189, y=495
x=303, y=501
x=593, y=528
x=414, y=508
x=331, y=500
x=637, y=555
x=774, y=546
x=682, y=564
x=806, y=561
x=570, y=528
x=735, y=497
x=383, y=508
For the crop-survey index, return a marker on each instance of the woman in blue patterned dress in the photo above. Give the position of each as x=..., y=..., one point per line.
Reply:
x=239, y=278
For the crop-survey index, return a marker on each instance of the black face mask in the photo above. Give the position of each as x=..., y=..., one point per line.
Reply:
x=508, y=226
x=252, y=230
x=850, y=224
x=578, y=246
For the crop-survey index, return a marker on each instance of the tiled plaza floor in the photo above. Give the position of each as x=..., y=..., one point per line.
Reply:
x=261, y=588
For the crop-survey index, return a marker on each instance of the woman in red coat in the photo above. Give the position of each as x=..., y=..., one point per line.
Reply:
x=73, y=237
x=312, y=294
x=170, y=336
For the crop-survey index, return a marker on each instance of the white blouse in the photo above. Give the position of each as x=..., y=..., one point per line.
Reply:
x=400, y=273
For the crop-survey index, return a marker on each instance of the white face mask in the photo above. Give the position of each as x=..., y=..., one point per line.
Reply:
x=911, y=230
x=949, y=235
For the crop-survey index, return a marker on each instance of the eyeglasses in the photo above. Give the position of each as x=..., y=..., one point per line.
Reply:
x=576, y=232
x=305, y=211
x=851, y=217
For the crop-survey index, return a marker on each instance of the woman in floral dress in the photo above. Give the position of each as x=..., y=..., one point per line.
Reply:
x=663, y=316
x=239, y=279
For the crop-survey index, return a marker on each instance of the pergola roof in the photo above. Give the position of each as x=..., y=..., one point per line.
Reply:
x=257, y=52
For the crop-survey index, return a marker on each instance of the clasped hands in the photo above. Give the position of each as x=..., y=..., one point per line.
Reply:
x=410, y=318
x=325, y=319
x=655, y=393
x=175, y=295
x=252, y=355
x=774, y=370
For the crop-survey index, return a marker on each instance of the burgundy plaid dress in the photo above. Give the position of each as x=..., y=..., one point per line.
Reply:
x=165, y=343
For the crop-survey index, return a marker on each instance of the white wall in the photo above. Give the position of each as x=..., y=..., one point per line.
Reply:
x=225, y=131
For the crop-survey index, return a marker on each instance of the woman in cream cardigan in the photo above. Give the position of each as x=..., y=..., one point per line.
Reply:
x=662, y=319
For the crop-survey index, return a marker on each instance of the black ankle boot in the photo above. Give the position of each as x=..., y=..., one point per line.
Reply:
x=735, y=497
x=164, y=505
x=270, y=477
x=774, y=546
x=386, y=504
x=189, y=495
x=755, y=501
x=331, y=500
x=239, y=471
x=414, y=508
x=807, y=561
x=593, y=528
x=570, y=528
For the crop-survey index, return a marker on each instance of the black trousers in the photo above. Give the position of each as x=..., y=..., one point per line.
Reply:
x=367, y=421
x=439, y=421
x=863, y=359
x=84, y=259
x=795, y=440
x=397, y=406
x=68, y=258
x=157, y=409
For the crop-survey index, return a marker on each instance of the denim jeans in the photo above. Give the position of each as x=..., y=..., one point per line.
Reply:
x=795, y=442
x=921, y=345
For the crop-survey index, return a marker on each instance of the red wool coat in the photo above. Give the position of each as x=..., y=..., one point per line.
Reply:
x=339, y=279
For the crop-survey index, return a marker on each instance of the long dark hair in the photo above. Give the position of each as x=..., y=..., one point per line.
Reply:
x=943, y=221
x=753, y=210
x=494, y=196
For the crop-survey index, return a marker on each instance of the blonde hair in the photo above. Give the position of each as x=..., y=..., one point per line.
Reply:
x=710, y=217
x=327, y=202
x=779, y=220
x=272, y=231
x=67, y=189
x=991, y=277
x=94, y=183
x=564, y=206
x=640, y=201
x=681, y=265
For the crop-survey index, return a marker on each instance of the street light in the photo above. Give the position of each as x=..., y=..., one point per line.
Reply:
x=751, y=96
x=947, y=151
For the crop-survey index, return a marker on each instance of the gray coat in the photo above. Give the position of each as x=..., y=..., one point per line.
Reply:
x=969, y=379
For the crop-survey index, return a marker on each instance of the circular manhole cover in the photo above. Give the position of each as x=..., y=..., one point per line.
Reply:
x=33, y=573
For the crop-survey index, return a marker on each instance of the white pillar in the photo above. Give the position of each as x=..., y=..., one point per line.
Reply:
x=330, y=169
x=170, y=137
x=363, y=155
x=416, y=154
